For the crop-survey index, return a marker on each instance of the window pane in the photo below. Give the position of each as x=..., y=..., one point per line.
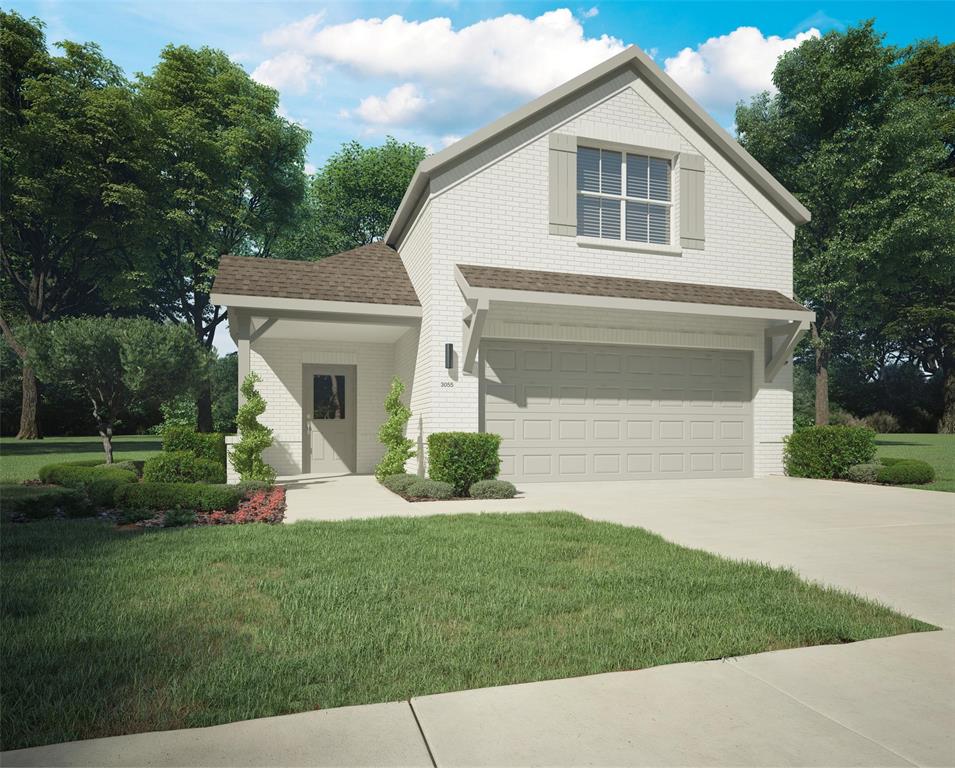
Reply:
x=637, y=217
x=659, y=179
x=328, y=397
x=610, y=219
x=611, y=164
x=588, y=169
x=659, y=224
x=588, y=216
x=637, y=176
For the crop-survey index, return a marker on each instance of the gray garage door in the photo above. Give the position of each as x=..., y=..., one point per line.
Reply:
x=594, y=412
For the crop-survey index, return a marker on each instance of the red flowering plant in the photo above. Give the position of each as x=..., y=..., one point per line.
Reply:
x=263, y=506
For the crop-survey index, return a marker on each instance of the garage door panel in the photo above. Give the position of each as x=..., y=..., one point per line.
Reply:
x=576, y=411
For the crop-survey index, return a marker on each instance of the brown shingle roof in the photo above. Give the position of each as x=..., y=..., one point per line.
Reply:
x=623, y=288
x=370, y=274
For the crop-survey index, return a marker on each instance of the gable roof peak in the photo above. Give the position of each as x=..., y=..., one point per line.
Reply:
x=644, y=67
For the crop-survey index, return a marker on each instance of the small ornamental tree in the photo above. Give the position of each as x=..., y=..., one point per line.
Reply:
x=118, y=365
x=254, y=437
x=392, y=433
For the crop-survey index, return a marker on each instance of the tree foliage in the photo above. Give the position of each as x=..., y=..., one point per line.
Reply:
x=352, y=199
x=254, y=437
x=229, y=174
x=398, y=447
x=844, y=134
x=73, y=199
x=116, y=364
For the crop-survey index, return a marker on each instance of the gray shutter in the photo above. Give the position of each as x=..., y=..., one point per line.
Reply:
x=563, y=184
x=691, y=201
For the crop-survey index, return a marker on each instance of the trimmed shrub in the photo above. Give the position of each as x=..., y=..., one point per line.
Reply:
x=254, y=437
x=906, y=472
x=200, y=497
x=99, y=483
x=827, y=451
x=888, y=461
x=38, y=501
x=263, y=506
x=392, y=433
x=247, y=487
x=182, y=467
x=864, y=473
x=175, y=518
x=882, y=422
x=463, y=458
x=129, y=466
x=493, y=489
x=399, y=483
x=203, y=445
x=429, y=489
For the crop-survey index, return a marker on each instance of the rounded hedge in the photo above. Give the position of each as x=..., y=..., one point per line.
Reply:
x=864, y=473
x=906, y=472
x=202, y=445
x=429, y=489
x=182, y=467
x=827, y=451
x=38, y=501
x=199, y=497
x=493, y=489
x=463, y=458
x=399, y=483
x=98, y=482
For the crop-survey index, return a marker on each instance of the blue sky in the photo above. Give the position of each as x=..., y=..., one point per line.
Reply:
x=434, y=71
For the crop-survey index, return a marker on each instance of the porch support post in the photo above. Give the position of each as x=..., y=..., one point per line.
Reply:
x=473, y=330
x=792, y=333
x=243, y=334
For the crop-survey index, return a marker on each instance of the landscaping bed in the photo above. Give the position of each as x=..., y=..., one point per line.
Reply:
x=110, y=631
x=184, y=485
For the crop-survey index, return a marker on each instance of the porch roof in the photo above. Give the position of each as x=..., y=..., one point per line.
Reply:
x=369, y=274
x=508, y=283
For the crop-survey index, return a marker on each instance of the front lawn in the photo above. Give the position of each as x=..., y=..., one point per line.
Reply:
x=107, y=631
x=21, y=459
x=937, y=450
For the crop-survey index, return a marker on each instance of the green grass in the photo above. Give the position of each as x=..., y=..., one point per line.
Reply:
x=108, y=631
x=21, y=459
x=937, y=450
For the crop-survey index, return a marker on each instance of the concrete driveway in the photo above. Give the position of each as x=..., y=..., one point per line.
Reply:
x=880, y=702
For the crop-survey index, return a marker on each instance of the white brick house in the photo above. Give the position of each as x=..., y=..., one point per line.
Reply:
x=603, y=277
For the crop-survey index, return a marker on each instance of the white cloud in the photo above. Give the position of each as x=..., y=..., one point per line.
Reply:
x=289, y=71
x=590, y=12
x=509, y=53
x=723, y=70
x=449, y=139
x=399, y=106
x=310, y=168
x=282, y=111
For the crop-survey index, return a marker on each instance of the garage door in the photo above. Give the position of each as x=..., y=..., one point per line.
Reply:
x=589, y=412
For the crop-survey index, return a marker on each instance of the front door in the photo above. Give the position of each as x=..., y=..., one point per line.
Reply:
x=329, y=404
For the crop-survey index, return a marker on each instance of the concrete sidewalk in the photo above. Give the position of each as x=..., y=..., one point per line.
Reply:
x=880, y=702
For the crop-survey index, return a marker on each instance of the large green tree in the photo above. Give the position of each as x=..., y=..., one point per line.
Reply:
x=844, y=134
x=229, y=177
x=352, y=199
x=72, y=197
x=117, y=364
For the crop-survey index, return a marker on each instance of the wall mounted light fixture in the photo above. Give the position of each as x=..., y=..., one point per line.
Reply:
x=449, y=356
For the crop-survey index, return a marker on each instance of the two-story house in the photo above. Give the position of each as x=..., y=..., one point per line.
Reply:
x=603, y=277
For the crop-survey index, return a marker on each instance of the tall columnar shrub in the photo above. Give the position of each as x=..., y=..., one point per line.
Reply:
x=392, y=433
x=463, y=458
x=827, y=451
x=254, y=437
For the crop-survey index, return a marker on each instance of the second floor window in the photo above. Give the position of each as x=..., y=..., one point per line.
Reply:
x=623, y=196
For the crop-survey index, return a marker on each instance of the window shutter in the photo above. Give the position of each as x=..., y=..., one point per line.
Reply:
x=563, y=184
x=691, y=201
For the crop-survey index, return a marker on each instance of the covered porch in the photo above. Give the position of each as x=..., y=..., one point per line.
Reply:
x=326, y=339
